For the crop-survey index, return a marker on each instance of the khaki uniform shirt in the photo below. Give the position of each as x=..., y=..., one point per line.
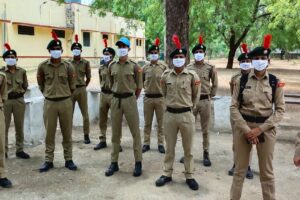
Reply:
x=104, y=77
x=297, y=152
x=82, y=70
x=3, y=89
x=257, y=102
x=56, y=81
x=16, y=82
x=208, y=76
x=233, y=80
x=126, y=78
x=180, y=90
x=152, y=74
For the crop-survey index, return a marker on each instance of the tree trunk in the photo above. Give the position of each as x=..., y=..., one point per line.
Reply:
x=177, y=22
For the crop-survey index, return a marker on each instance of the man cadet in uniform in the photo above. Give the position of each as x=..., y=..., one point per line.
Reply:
x=245, y=65
x=181, y=89
x=127, y=81
x=297, y=151
x=56, y=80
x=153, y=100
x=106, y=94
x=4, y=182
x=255, y=121
x=209, y=85
x=83, y=77
x=15, y=105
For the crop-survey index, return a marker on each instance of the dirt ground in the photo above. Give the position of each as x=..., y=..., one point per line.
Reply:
x=89, y=182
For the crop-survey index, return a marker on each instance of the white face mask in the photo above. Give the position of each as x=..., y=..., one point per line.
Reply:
x=11, y=61
x=153, y=57
x=178, y=62
x=245, y=66
x=76, y=52
x=123, y=52
x=260, y=65
x=55, y=54
x=106, y=58
x=199, y=56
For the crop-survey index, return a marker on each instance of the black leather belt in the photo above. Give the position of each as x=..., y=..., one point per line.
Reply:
x=254, y=119
x=15, y=95
x=57, y=99
x=153, y=95
x=106, y=91
x=202, y=97
x=121, y=96
x=80, y=86
x=178, y=110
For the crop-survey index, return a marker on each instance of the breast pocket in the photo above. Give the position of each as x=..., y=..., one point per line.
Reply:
x=19, y=82
x=9, y=82
x=48, y=78
x=186, y=87
x=170, y=86
x=129, y=76
x=82, y=72
x=268, y=94
x=248, y=96
x=205, y=75
x=63, y=78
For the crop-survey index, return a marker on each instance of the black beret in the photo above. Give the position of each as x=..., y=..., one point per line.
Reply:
x=259, y=51
x=153, y=47
x=199, y=46
x=54, y=43
x=109, y=50
x=9, y=52
x=178, y=51
x=75, y=44
x=243, y=56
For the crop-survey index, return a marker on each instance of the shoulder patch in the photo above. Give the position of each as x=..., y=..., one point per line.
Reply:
x=280, y=84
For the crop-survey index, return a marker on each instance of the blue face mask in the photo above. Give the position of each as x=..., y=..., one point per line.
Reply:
x=55, y=54
x=10, y=61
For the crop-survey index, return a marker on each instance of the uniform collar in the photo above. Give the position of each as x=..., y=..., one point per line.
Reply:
x=50, y=63
x=7, y=70
x=252, y=74
x=196, y=65
x=126, y=62
x=184, y=71
x=74, y=61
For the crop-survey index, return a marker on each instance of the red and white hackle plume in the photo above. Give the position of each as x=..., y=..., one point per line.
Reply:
x=105, y=42
x=176, y=41
x=157, y=42
x=76, y=38
x=54, y=36
x=200, y=40
x=244, y=48
x=7, y=46
x=267, y=41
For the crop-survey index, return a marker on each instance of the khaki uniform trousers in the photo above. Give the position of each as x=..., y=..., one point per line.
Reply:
x=105, y=103
x=203, y=107
x=80, y=95
x=2, y=144
x=185, y=123
x=233, y=147
x=265, y=157
x=152, y=105
x=128, y=107
x=61, y=110
x=15, y=107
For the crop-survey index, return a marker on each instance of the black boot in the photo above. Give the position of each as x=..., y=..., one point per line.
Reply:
x=22, y=155
x=231, y=171
x=137, y=169
x=249, y=174
x=46, y=166
x=114, y=167
x=5, y=183
x=161, y=149
x=87, y=139
x=145, y=148
x=181, y=159
x=192, y=183
x=70, y=165
x=101, y=145
x=162, y=181
x=206, y=161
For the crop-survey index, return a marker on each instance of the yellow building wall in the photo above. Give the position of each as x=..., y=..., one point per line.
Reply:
x=32, y=49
